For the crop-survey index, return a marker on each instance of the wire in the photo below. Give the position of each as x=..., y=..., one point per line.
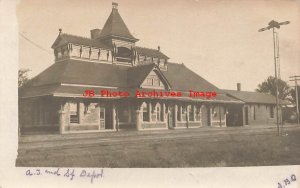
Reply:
x=35, y=44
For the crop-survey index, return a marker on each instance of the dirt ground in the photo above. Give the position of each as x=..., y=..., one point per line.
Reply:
x=203, y=147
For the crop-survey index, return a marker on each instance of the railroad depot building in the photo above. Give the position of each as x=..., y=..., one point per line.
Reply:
x=259, y=108
x=54, y=100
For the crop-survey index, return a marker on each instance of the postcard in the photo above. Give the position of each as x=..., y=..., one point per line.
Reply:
x=183, y=93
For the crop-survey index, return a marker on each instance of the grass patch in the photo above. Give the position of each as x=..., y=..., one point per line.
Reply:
x=220, y=151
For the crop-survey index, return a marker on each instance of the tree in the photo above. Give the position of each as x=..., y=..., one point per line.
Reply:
x=293, y=94
x=23, y=77
x=269, y=86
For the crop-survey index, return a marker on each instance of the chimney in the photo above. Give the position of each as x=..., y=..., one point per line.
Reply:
x=158, y=48
x=238, y=86
x=95, y=33
x=114, y=5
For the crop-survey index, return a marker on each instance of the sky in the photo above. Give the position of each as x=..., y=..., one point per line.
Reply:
x=218, y=39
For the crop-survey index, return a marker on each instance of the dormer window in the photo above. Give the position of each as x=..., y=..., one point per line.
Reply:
x=163, y=65
x=123, y=54
x=156, y=82
x=149, y=81
x=148, y=59
x=74, y=112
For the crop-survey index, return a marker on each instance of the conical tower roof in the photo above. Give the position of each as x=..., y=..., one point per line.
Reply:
x=115, y=26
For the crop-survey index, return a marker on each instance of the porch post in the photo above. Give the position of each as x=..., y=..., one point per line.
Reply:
x=150, y=111
x=220, y=115
x=187, y=115
x=175, y=115
x=163, y=108
x=62, y=117
x=225, y=114
x=138, y=117
x=61, y=121
x=194, y=112
x=129, y=114
x=209, y=115
x=114, y=117
x=243, y=116
x=40, y=112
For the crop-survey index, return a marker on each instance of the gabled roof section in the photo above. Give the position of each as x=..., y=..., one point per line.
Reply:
x=72, y=77
x=183, y=79
x=137, y=75
x=115, y=26
x=52, y=75
x=64, y=38
x=253, y=97
x=151, y=52
x=81, y=72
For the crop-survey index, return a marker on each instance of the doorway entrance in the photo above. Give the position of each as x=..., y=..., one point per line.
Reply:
x=246, y=116
x=234, y=116
x=106, y=116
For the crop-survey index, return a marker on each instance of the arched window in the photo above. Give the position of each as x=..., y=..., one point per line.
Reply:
x=153, y=112
x=159, y=112
x=162, y=112
x=178, y=113
x=183, y=113
x=74, y=112
x=145, y=112
x=215, y=112
x=191, y=112
x=158, y=109
x=198, y=113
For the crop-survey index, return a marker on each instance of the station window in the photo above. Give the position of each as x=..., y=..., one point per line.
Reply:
x=158, y=109
x=74, y=112
x=198, y=113
x=183, y=113
x=179, y=113
x=271, y=112
x=149, y=81
x=145, y=112
x=156, y=82
x=191, y=112
x=159, y=112
x=102, y=112
x=153, y=112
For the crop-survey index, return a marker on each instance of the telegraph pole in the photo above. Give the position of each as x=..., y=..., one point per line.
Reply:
x=276, y=80
x=271, y=25
x=295, y=78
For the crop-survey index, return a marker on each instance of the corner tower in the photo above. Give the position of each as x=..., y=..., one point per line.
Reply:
x=114, y=44
x=116, y=35
x=115, y=30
